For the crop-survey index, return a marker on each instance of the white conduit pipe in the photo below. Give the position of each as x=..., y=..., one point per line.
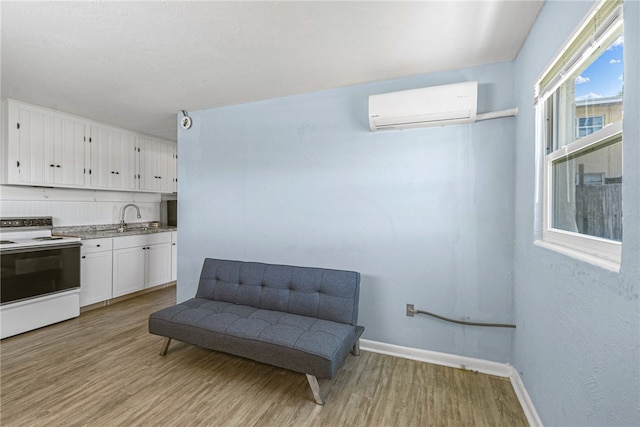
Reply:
x=497, y=114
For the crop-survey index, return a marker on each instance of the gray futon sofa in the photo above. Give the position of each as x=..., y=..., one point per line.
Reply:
x=298, y=318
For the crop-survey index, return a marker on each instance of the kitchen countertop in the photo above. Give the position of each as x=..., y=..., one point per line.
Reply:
x=109, y=230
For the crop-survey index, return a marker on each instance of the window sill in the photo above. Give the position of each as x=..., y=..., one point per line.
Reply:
x=588, y=258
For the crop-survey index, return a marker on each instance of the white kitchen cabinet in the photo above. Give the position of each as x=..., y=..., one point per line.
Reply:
x=44, y=147
x=174, y=256
x=158, y=264
x=114, y=158
x=128, y=270
x=141, y=261
x=157, y=165
x=173, y=169
x=95, y=271
x=165, y=161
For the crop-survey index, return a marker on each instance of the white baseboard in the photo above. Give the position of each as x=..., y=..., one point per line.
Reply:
x=525, y=401
x=503, y=370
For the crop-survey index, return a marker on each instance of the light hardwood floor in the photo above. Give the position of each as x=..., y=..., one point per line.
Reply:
x=104, y=369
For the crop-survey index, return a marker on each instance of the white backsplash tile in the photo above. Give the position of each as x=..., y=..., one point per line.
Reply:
x=77, y=207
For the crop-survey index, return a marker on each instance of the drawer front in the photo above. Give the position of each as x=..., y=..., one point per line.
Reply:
x=174, y=236
x=96, y=245
x=141, y=240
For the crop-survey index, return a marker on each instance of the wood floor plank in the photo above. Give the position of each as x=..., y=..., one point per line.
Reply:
x=104, y=369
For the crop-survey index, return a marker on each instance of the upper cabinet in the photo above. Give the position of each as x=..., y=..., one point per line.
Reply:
x=157, y=166
x=114, y=158
x=45, y=148
x=49, y=148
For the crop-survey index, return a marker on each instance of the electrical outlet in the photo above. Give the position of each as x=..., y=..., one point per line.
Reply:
x=410, y=310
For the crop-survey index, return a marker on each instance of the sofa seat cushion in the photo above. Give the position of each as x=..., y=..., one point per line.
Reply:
x=299, y=343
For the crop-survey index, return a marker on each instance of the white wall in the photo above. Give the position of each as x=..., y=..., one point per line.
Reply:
x=77, y=207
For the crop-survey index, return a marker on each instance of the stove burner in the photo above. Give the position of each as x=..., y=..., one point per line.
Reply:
x=5, y=242
x=48, y=238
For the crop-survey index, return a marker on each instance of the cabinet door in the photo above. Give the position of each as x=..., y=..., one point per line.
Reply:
x=173, y=169
x=148, y=164
x=174, y=261
x=124, y=160
x=165, y=154
x=128, y=270
x=95, y=275
x=158, y=264
x=68, y=153
x=29, y=162
x=100, y=168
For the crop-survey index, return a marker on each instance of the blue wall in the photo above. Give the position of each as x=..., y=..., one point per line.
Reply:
x=426, y=215
x=576, y=346
x=442, y=218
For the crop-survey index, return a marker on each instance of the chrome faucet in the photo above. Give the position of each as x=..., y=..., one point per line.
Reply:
x=124, y=224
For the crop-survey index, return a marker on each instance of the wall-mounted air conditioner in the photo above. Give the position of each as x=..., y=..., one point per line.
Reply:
x=430, y=106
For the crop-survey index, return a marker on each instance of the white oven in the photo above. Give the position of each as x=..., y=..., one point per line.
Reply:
x=40, y=282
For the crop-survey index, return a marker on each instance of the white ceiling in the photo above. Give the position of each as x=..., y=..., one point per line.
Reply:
x=136, y=64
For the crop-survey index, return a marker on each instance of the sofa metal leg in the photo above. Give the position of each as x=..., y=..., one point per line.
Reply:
x=165, y=347
x=315, y=388
x=356, y=348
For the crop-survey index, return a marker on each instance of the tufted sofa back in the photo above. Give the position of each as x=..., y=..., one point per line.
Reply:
x=313, y=292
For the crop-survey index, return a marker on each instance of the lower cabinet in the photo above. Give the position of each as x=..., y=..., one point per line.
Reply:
x=95, y=271
x=157, y=264
x=174, y=256
x=113, y=267
x=140, y=261
x=128, y=270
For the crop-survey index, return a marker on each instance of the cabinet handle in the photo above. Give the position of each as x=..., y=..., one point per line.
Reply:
x=173, y=244
x=53, y=166
x=58, y=166
x=117, y=173
x=97, y=246
x=83, y=257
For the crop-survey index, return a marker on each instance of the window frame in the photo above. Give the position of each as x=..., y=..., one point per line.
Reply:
x=598, y=251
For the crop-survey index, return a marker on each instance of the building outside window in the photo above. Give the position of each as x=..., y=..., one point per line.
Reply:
x=594, y=114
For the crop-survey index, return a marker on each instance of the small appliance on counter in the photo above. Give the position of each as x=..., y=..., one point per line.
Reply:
x=169, y=213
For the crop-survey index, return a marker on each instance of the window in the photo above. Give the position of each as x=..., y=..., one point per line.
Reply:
x=579, y=115
x=588, y=125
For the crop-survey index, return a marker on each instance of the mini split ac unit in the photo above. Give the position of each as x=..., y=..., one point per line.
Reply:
x=430, y=106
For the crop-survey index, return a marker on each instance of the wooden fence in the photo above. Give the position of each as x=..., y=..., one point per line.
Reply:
x=599, y=210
